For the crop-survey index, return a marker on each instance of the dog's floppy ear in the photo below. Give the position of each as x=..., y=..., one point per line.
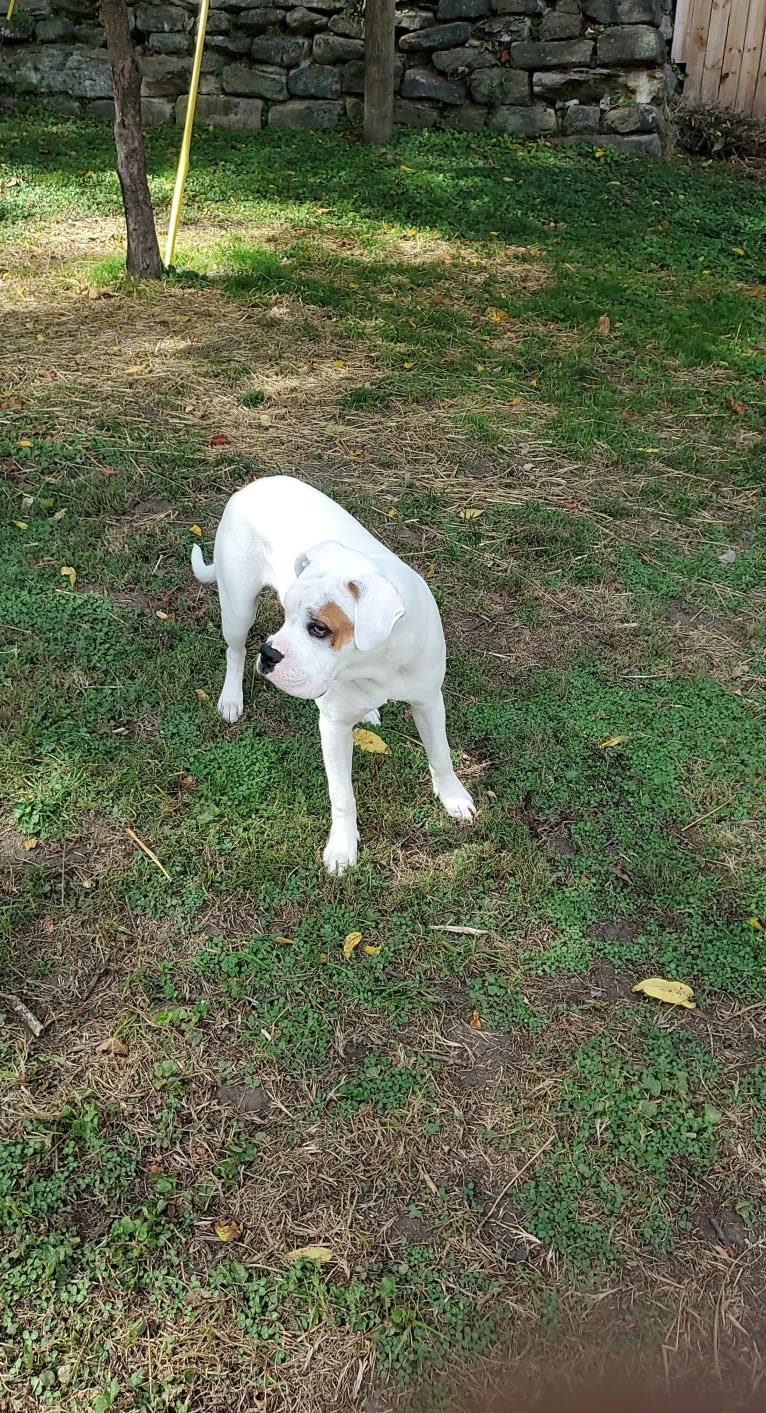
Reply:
x=300, y=564
x=377, y=608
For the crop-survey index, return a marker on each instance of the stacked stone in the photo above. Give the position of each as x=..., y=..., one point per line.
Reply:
x=572, y=69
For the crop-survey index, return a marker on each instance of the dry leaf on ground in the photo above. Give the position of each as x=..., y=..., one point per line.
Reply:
x=370, y=741
x=112, y=1046
x=322, y=1254
x=228, y=1231
x=673, y=993
x=351, y=942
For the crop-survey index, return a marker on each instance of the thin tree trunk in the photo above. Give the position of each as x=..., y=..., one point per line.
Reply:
x=143, y=251
x=379, y=46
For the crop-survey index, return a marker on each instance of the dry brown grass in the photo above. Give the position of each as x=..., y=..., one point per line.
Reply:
x=171, y=351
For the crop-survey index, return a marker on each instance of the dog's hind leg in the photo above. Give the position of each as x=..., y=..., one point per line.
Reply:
x=430, y=721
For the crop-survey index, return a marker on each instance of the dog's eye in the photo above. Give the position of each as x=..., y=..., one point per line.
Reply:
x=318, y=630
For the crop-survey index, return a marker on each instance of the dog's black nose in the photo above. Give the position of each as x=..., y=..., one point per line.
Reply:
x=269, y=657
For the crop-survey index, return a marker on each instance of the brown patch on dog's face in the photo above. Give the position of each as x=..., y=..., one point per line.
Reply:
x=340, y=625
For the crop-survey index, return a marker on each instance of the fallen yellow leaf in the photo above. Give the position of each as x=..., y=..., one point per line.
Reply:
x=393, y=512
x=756, y=923
x=480, y=367
x=20, y=524
x=228, y=1231
x=159, y=614
x=475, y=1021
x=351, y=942
x=322, y=1254
x=30, y=843
x=408, y=365
x=285, y=941
x=338, y=363
x=470, y=514
x=112, y=1046
x=603, y=326
x=195, y=529
x=674, y=993
x=201, y=695
x=599, y=151
x=498, y=316
x=738, y=250
x=370, y=951
x=24, y=441
x=370, y=741
x=69, y=573
x=612, y=741
x=431, y=570
x=137, y=368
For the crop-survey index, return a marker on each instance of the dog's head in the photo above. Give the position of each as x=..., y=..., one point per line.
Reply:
x=338, y=605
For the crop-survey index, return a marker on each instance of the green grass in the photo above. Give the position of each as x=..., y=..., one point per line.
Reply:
x=477, y=1121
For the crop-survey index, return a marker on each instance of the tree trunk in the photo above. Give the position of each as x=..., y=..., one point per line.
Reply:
x=379, y=48
x=143, y=251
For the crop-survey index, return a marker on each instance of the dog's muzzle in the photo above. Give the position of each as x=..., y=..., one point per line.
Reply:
x=268, y=658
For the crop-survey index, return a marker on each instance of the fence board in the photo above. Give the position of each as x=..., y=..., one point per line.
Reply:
x=681, y=25
x=759, y=97
x=715, y=48
x=695, y=49
x=732, y=59
x=751, y=57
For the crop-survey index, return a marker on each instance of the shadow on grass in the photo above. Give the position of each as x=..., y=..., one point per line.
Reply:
x=475, y=187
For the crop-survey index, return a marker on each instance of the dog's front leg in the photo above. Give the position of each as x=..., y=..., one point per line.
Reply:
x=337, y=751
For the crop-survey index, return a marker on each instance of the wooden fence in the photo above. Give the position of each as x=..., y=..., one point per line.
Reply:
x=723, y=45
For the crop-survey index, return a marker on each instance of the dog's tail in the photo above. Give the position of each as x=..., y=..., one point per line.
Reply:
x=206, y=573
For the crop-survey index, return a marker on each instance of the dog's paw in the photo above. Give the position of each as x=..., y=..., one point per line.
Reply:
x=457, y=802
x=371, y=719
x=230, y=710
x=341, y=852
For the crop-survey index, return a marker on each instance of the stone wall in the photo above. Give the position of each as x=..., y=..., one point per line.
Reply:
x=571, y=69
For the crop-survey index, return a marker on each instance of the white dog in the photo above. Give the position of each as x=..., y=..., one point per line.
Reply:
x=361, y=628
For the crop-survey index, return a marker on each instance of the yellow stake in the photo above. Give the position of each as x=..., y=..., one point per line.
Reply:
x=11, y=8
x=183, y=159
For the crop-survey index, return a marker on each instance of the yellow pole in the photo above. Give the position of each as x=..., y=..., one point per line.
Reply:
x=183, y=158
x=11, y=8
